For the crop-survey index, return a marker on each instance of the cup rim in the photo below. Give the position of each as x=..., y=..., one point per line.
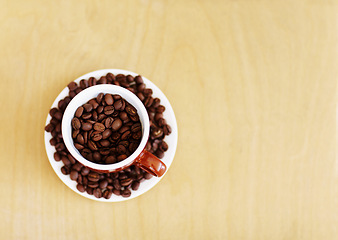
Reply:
x=82, y=98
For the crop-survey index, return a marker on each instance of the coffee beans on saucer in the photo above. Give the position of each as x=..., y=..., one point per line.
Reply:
x=106, y=129
x=120, y=183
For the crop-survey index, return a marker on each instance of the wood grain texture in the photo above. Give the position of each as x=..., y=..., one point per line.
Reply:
x=253, y=84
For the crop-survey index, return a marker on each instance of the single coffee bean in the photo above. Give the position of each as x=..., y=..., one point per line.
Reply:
x=83, y=84
x=93, y=176
x=116, y=124
x=133, y=146
x=105, y=143
x=124, y=129
x=53, y=141
x=96, y=136
x=101, y=117
x=164, y=146
x=76, y=124
x=65, y=170
x=95, y=115
x=92, y=145
x=75, y=133
x=117, y=192
x=78, y=112
x=125, y=135
x=97, y=192
x=74, y=175
x=159, y=153
x=148, y=102
x=157, y=133
x=52, y=111
x=106, y=134
x=108, y=110
x=147, y=92
x=97, y=156
x=93, y=184
x=77, y=167
x=134, y=118
x=160, y=109
x=108, y=122
x=86, y=126
x=110, y=160
x=78, y=146
x=72, y=86
x=79, y=179
x=121, y=157
x=85, y=136
x=135, y=185
x=141, y=87
x=126, y=182
x=99, y=98
x=131, y=110
x=126, y=193
x=104, y=151
x=92, y=81
x=137, y=135
x=121, y=149
x=107, y=194
x=166, y=129
x=49, y=127
x=86, y=116
x=116, y=184
x=80, y=139
x=85, y=171
x=108, y=98
x=135, y=127
x=138, y=79
x=57, y=156
x=89, y=190
x=99, y=109
x=110, y=77
x=99, y=127
x=87, y=107
x=118, y=104
x=81, y=188
x=103, y=183
x=60, y=147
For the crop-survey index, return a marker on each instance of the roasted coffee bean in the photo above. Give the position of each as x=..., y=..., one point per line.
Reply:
x=86, y=126
x=137, y=135
x=52, y=111
x=121, y=149
x=125, y=193
x=71, y=159
x=108, y=98
x=76, y=124
x=160, y=109
x=93, y=184
x=110, y=160
x=53, y=141
x=131, y=110
x=93, y=176
x=117, y=192
x=72, y=94
x=126, y=182
x=96, y=136
x=85, y=152
x=166, y=129
x=103, y=183
x=141, y=87
x=65, y=161
x=104, y=151
x=134, y=118
x=85, y=136
x=101, y=117
x=75, y=133
x=60, y=147
x=92, y=145
x=86, y=116
x=87, y=107
x=85, y=171
x=94, y=103
x=133, y=146
x=147, y=92
x=159, y=153
x=135, y=185
x=110, y=77
x=57, y=156
x=89, y=190
x=97, y=192
x=148, y=102
x=118, y=104
x=81, y=188
x=135, y=127
x=116, y=184
x=99, y=127
x=105, y=143
x=80, y=139
x=77, y=166
x=157, y=133
x=124, y=143
x=125, y=135
x=74, y=175
x=92, y=81
x=99, y=109
x=148, y=146
x=78, y=112
x=97, y=156
x=121, y=157
x=49, y=127
x=163, y=146
x=106, y=134
x=102, y=80
x=65, y=170
x=108, y=122
x=78, y=146
x=138, y=79
x=83, y=83
x=108, y=110
x=79, y=179
x=72, y=86
x=124, y=129
x=107, y=194
x=116, y=124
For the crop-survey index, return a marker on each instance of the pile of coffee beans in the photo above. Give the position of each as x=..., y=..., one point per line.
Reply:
x=122, y=182
x=106, y=129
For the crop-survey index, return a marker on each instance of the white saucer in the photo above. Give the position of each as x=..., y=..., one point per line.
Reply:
x=171, y=139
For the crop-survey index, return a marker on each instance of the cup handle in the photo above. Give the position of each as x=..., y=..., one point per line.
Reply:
x=151, y=164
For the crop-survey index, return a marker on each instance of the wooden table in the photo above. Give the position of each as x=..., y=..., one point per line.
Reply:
x=253, y=84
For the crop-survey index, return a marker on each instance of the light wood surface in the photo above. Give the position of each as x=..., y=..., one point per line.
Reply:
x=253, y=84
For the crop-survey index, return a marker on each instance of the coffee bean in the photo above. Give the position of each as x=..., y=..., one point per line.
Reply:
x=166, y=129
x=96, y=136
x=80, y=139
x=116, y=184
x=157, y=132
x=79, y=111
x=78, y=146
x=104, y=151
x=135, y=185
x=159, y=153
x=134, y=118
x=116, y=125
x=147, y=92
x=99, y=127
x=75, y=133
x=53, y=141
x=118, y=104
x=106, y=133
x=92, y=145
x=117, y=192
x=138, y=79
x=65, y=170
x=72, y=86
x=97, y=156
x=108, y=110
x=97, y=192
x=164, y=146
x=108, y=98
x=131, y=110
x=87, y=107
x=85, y=171
x=49, y=127
x=137, y=135
x=110, y=77
x=85, y=136
x=125, y=193
x=103, y=184
x=83, y=83
x=57, y=156
x=103, y=80
x=107, y=194
x=74, y=175
x=77, y=166
x=92, y=81
x=93, y=176
x=148, y=102
x=141, y=87
x=86, y=126
x=135, y=127
x=121, y=157
x=125, y=135
x=108, y=122
x=76, y=124
x=126, y=182
x=124, y=129
x=105, y=143
x=89, y=190
x=121, y=149
x=86, y=116
x=93, y=184
x=81, y=188
x=60, y=147
x=65, y=161
x=110, y=160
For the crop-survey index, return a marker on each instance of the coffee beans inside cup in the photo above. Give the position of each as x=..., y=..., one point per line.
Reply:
x=106, y=129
